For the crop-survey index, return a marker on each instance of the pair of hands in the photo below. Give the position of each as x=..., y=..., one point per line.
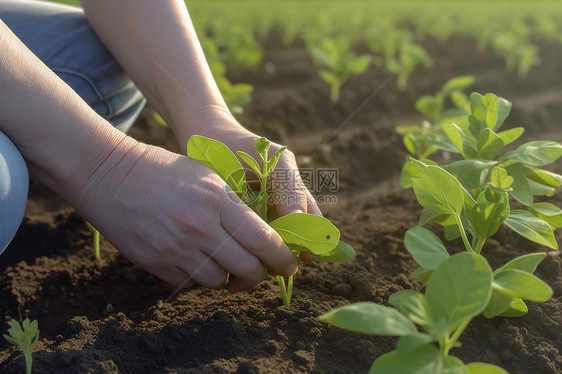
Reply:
x=174, y=217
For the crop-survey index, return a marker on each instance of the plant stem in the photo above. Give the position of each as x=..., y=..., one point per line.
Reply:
x=284, y=294
x=456, y=334
x=480, y=244
x=463, y=234
x=96, y=234
x=335, y=91
x=28, y=362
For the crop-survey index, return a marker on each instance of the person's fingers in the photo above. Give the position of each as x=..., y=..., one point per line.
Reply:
x=247, y=269
x=173, y=276
x=203, y=269
x=257, y=237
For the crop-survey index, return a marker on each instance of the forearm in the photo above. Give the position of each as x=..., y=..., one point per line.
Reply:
x=62, y=140
x=157, y=46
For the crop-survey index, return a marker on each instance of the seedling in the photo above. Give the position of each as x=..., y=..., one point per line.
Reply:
x=410, y=56
x=24, y=336
x=300, y=231
x=337, y=63
x=459, y=289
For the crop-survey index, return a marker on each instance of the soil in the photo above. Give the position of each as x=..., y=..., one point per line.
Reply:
x=108, y=316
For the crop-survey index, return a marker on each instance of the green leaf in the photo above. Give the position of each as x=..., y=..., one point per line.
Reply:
x=460, y=288
x=328, y=77
x=520, y=187
x=520, y=284
x=459, y=83
x=413, y=169
x=428, y=106
x=498, y=304
x=536, y=153
x=528, y=262
x=544, y=177
x=511, y=135
x=218, y=157
x=422, y=360
x=483, y=368
x=460, y=140
x=488, y=144
x=442, y=219
x=425, y=247
x=548, y=212
x=262, y=146
x=408, y=343
x=272, y=163
x=413, y=305
x=487, y=111
x=489, y=212
x=421, y=274
x=359, y=64
x=470, y=173
x=370, y=318
x=342, y=252
x=500, y=179
x=252, y=163
x=518, y=308
x=309, y=232
x=535, y=229
x=412, y=144
x=439, y=191
x=452, y=365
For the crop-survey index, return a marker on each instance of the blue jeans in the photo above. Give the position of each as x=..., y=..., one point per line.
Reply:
x=61, y=37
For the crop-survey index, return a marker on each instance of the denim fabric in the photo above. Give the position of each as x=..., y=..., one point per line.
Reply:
x=14, y=182
x=61, y=37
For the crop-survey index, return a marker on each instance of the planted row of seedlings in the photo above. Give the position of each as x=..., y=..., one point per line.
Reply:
x=471, y=199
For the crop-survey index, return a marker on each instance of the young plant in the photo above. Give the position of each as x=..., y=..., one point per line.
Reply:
x=337, y=63
x=299, y=231
x=459, y=289
x=422, y=141
x=410, y=56
x=24, y=336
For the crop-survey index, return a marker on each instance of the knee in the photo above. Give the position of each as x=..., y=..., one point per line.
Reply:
x=14, y=184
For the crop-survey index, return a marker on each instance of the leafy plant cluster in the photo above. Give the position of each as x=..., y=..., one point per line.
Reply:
x=470, y=198
x=300, y=231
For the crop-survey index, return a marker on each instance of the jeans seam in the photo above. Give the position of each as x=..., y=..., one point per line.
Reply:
x=97, y=92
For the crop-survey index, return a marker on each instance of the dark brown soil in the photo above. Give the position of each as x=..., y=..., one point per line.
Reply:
x=107, y=316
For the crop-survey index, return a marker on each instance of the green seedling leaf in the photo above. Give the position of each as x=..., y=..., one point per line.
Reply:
x=535, y=229
x=428, y=106
x=483, y=368
x=518, y=308
x=359, y=64
x=408, y=343
x=272, y=163
x=470, y=173
x=488, y=144
x=25, y=336
x=520, y=284
x=544, y=177
x=489, y=212
x=439, y=191
x=548, y=212
x=536, y=153
x=442, y=219
x=425, y=247
x=328, y=77
x=461, y=140
x=452, y=365
x=262, y=146
x=498, y=304
x=457, y=84
x=460, y=288
x=413, y=169
x=499, y=178
x=421, y=274
x=422, y=360
x=487, y=111
x=370, y=318
x=342, y=252
x=528, y=262
x=309, y=232
x=412, y=144
x=252, y=163
x=413, y=305
x=511, y=135
x=218, y=157
x=520, y=187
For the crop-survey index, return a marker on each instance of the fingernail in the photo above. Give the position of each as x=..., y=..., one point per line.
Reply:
x=291, y=270
x=295, y=211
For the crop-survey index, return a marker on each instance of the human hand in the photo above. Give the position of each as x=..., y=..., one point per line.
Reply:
x=174, y=217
